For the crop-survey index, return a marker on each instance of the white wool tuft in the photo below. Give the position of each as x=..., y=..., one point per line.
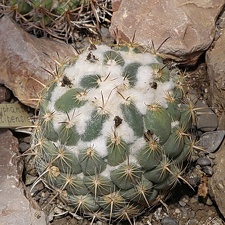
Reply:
x=174, y=124
x=123, y=130
x=161, y=92
x=108, y=127
x=143, y=58
x=133, y=160
x=136, y=146
x=84, y=115
x=100, y=146
x=107, y=171
x=113, y=90
x=126, y=132
x=58, y=92
x=144, y=77
x=73, y=149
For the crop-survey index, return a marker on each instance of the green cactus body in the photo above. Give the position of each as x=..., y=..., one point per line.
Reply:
x=108, y=140
x=44, y=12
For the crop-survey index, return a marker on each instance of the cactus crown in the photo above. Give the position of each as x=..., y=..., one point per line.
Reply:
x=111, y=132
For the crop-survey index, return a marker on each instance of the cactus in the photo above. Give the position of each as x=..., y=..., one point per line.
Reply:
x=57, y=18
x=48, y=6
x=111, y=135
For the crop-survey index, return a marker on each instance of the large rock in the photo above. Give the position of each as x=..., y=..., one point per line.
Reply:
x=15, y=207
x=188, y=28
x=217, y=181
x=25, y=58
x=215, y=67
x=215, y=61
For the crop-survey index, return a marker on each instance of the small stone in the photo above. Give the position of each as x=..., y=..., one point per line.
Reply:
x=194, y=200
x=182, y=203
x=37, y=188
x=206, y=119
x=212, y=156
x=168, y=221
x=204, y=161
x=185, y=212
x=27, y=139
x=5, y=94
x=209, y=201
x=192, y=214
x=177, y=211
x=194, y=181
x=208, y=170
x=193, y=222
x=23, y=147
x=211, y=140
x=30, y=179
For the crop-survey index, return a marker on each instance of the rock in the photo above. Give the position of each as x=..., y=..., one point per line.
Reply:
x=215, y=61
x=23, y=146
x=182, y=203
x=206, y=119
x=5, y=94
x=15, y=207
x=116, y=5
x=211, y=141
x=25, y=59
x=204, y=161
x=208, y=170
x=217, y=181
x=181, y=30
x=168, y=221
x=194, y=181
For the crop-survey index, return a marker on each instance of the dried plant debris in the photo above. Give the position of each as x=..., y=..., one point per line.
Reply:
x=203, y=187
x=59, y=19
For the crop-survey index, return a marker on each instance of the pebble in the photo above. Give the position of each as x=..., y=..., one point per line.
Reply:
x=194, y=200
x=204, y=161
x=193, y=222
x=37, y=188
x=183, y=202
x=30, y=179
x=194, y=181
x=169, y=221
x=209, y=201
x=206, y=119
x=192, y=214
x=212, y=156
x=208, y=170
x=99, y=223
x=5, y=94
x=177, y=211
x=211, y=140
x=24, y=147
x=27, y=139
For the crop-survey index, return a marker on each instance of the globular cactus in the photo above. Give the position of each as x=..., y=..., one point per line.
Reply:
x=57, y=18
x=111, y=133
x=47, y=8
